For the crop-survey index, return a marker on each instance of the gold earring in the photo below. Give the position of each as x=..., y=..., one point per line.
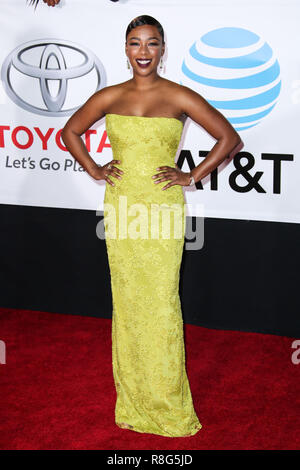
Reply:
x=161, y=64
x=128, y=65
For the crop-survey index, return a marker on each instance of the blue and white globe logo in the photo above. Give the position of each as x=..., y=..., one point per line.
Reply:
x=236, y=72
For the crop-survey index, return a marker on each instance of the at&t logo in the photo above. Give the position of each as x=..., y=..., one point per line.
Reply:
x=236, y=72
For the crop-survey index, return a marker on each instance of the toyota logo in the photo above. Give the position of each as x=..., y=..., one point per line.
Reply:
x=35, y=59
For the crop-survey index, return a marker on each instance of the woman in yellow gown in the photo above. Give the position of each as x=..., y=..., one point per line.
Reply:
x=153, y=393
x=145, y=228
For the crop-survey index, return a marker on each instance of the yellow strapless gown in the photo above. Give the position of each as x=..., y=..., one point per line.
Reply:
x=148, y=352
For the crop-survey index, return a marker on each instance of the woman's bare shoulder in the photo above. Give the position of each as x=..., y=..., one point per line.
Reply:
x=109, y=91
x=181, y=91
x=109, y=95
x=186, y=98
x=177, y=90
x=169, y=85
x=176, y=93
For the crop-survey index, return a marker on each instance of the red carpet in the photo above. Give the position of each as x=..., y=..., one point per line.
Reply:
x=57, y=387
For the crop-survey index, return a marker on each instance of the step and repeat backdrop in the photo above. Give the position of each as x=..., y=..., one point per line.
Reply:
x=241, y=56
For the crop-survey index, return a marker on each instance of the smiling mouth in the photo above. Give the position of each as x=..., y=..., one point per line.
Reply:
x=143, y=62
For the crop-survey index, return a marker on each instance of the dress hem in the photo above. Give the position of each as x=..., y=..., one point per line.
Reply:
x=132, y=428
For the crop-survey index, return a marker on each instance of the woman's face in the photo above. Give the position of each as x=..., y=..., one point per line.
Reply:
x=144, y=49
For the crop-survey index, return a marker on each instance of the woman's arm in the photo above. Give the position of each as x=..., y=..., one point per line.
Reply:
x=200, y=111
x=92, y=110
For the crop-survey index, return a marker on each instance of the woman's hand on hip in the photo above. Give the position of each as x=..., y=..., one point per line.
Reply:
x=106, y=171
x=174, y=174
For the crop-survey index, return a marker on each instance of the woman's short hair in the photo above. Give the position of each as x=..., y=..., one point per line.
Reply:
x=143, y=20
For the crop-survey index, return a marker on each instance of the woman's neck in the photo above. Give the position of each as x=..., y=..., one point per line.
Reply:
x=145, y=83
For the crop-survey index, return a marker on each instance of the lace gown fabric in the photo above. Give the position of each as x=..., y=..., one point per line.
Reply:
x=148, y=352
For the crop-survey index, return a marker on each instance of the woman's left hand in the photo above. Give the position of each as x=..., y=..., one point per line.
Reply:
x=175, y=174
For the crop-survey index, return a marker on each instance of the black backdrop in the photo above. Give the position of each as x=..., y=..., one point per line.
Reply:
x=244, y=278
